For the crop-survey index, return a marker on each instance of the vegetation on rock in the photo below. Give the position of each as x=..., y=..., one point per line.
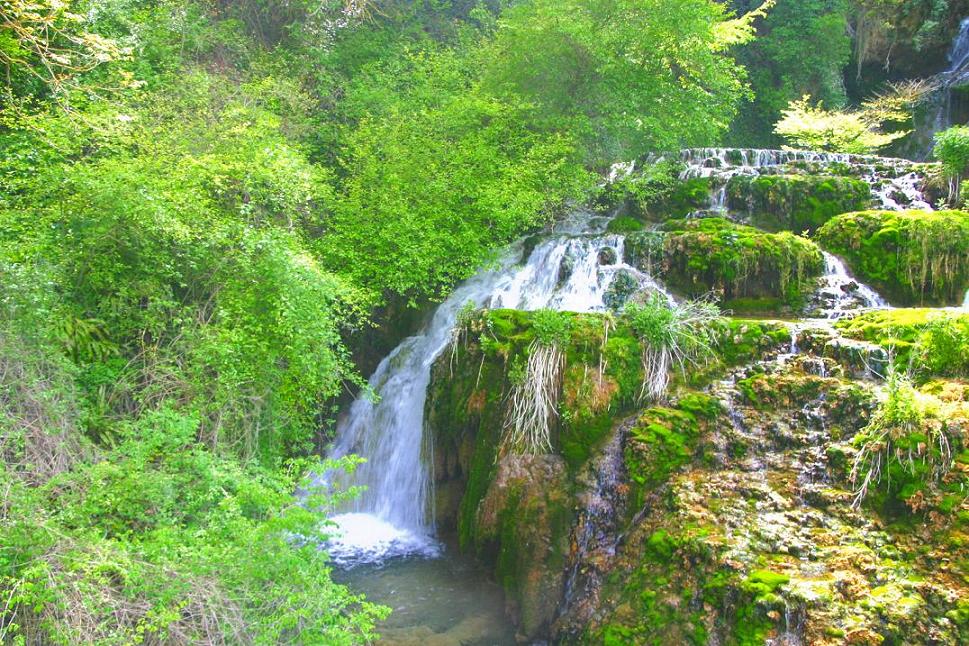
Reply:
x=744, y=268
x=796, y=203
x=914, y=257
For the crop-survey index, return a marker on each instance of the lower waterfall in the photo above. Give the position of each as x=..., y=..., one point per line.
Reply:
x=570, y=270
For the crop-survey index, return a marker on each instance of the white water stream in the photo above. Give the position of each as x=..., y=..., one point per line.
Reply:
x=840, y=294
x=895, y=184
x=567, y=271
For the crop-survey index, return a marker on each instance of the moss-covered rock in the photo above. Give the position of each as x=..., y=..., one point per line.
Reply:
x=517, y=512
x=927, y=342
x=750, y=536
x=795, y=202
x=913, y=257
x=747, y=269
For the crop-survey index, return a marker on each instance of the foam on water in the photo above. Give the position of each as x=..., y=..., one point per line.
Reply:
x=365, y=538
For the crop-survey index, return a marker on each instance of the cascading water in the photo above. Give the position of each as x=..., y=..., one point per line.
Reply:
x=959, y=55
x=840, y=295
x=568, y=271
x=895, y=183
x=956, y=75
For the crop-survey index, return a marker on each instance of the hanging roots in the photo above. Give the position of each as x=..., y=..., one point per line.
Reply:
x=533, y=402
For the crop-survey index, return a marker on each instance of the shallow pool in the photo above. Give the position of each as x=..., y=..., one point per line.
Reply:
x=443, y=601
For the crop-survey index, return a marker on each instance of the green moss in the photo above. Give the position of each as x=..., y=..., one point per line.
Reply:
x=913, y=257
x=753, y=306
x=624, y=225
x=928, y=342
x=738, y=262
x=796, y=202
x=762, y=582
x=663, y=440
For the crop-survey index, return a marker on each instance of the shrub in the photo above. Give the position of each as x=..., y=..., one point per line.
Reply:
x=671, y=335
x=814, y=128
x=952, y=149
x=534, y=399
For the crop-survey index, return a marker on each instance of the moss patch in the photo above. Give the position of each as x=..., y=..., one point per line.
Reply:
x=796, y=202
x=914, y=257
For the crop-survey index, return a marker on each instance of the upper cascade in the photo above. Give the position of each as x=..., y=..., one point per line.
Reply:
x=959, y=54
x=896, y=184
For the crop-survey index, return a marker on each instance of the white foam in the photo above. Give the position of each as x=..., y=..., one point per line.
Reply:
x=364, y=538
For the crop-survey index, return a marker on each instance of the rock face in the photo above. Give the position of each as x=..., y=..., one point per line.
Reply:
x=746, y=268
x=724, y=515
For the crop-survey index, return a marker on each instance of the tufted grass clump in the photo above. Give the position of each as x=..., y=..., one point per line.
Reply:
x=671, y=336
x=536, y=390
x=906, y=442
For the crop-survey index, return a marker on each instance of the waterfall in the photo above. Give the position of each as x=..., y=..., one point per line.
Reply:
x=957, y=74
x=571, y=270
x=959, y=54
x=839, y=294
x=895, y=183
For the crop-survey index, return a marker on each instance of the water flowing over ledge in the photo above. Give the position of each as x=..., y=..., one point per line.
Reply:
x=572, y=269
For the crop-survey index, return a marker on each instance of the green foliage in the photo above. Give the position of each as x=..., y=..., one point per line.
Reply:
x=928, y=343
x=551, y=327
x=952, y=149
x=801, y=48
x=914, y=257
x=814, y=128
x=907, y=445
x=647, y=191
x=440, y=177
x=591, y=67
x=672, y=335
x=159, y=534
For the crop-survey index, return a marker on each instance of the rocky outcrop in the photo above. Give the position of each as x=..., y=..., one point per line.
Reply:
x=795, y=203
x=914, y=257
x=746, y=269
x=726, y=514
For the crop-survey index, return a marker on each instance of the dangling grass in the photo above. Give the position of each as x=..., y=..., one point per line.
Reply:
x=534, y=398
x=680, y=335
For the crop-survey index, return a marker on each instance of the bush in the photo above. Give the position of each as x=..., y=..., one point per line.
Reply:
x=952, y=149
x=162, y=539
x=671, y=336
x=814, y=128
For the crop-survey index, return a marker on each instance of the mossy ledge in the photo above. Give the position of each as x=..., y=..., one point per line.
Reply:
x=913, y=257
x=796, y=203
x=733, y=515
x=748, y=270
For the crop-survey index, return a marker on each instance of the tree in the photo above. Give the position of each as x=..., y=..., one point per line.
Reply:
x=814, y=128
x=627, y=76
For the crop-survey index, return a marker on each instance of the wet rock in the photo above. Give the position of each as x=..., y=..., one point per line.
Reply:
x=608, y=256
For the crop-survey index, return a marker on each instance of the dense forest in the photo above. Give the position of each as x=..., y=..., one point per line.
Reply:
x=217, y=216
